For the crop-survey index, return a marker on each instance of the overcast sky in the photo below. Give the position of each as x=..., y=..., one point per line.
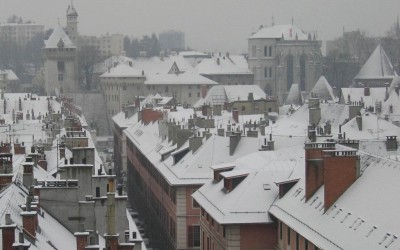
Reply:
x=212, y=25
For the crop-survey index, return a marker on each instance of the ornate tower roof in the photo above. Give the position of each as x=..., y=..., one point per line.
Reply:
x=71, y=11
x=57, y=37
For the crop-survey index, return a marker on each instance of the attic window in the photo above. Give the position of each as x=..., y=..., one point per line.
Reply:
x=232, y=179
x=285, y=186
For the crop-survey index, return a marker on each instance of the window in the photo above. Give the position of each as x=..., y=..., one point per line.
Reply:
x=60, y=66
x=266, y=72
x=253, y=51
x=148, y=87
x=306, y=245
x=190, y=94
x=289, y=69
x=198, y=94
x=270, y=51
x=166, y=89
x=243, y=108
x=60, y=77
x=270, y=72
x=154, y=87
x=297, y=241
x=265, y=51
x=190, y=86
x=193, y=236
x=280, y=230
x=223, y=231
x=288, y=235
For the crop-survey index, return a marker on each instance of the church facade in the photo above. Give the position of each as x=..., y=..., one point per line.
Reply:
x=282, y=55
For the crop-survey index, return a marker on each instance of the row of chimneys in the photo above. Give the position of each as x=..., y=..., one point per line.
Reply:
x=336, y=170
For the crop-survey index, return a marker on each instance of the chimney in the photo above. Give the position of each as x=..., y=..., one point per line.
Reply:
x=29, y=217
x=359, y=121
x=366, y=91
x=327, y=128
x=262, y=129
x=195, y=143
x=391, y=143
x=21, y=245
x=62, y=152
x=81, y=240
x=354, y=110
x=314, y=177
x=342, y=168
x=150, y=115
x=314, y=111
x=8, y=233
x=250, y=97
x=204, y=90
x=204, y=110
x=235, y=115
x=234, y=142
x=111, y=236
x=27, y=176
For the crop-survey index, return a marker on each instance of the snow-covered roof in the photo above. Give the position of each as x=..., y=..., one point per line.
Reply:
x=294, y=96
x=378, y=66
x=323, y=90
x=219, y=94
x=122, y=70
x=364, y=217
x=357, y=95
x=186, y=78
x=57, y=36
x=111, y=62
x=8, y=74
x=287, y=32
x=250, y=200
x=221, y=65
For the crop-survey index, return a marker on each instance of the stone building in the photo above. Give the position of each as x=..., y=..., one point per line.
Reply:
x=282, y=55
x=60, y=63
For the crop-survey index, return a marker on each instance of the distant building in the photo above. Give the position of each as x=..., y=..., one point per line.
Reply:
x=8, y=80
x=107, y=44
x=282, y=55
x=172, y=40
x=226, y=69
x=19, y=33
x=60, y=64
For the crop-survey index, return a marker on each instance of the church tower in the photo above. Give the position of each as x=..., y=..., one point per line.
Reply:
x=60, y=64
x=72, y=23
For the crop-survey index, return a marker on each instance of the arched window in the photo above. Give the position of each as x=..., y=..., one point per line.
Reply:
x=289, y=70
x=303, y=59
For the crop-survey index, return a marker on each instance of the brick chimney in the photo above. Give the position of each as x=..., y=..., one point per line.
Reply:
x=21, y=245
x=81, y=240
x=315, y=166
x=366, y=91
x=150, y=115
x=235, y=115
x=8, y=233
x=29, y=217
x=19, y=149
x=27, y=176
x=342, y=168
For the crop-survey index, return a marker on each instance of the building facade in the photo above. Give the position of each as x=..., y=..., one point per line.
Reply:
x=282, y=55
x=60, y=64
x=19, y=33
x=172, y=40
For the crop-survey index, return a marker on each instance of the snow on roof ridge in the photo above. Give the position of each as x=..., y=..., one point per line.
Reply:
x=55, y=37
x=378, y=65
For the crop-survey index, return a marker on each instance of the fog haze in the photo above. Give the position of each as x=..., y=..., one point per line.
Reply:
x=212, y=25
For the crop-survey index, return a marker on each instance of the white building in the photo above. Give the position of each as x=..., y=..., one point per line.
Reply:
x=19, y=33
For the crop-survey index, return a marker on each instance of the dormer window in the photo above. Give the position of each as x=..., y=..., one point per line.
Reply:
x=233, y=178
